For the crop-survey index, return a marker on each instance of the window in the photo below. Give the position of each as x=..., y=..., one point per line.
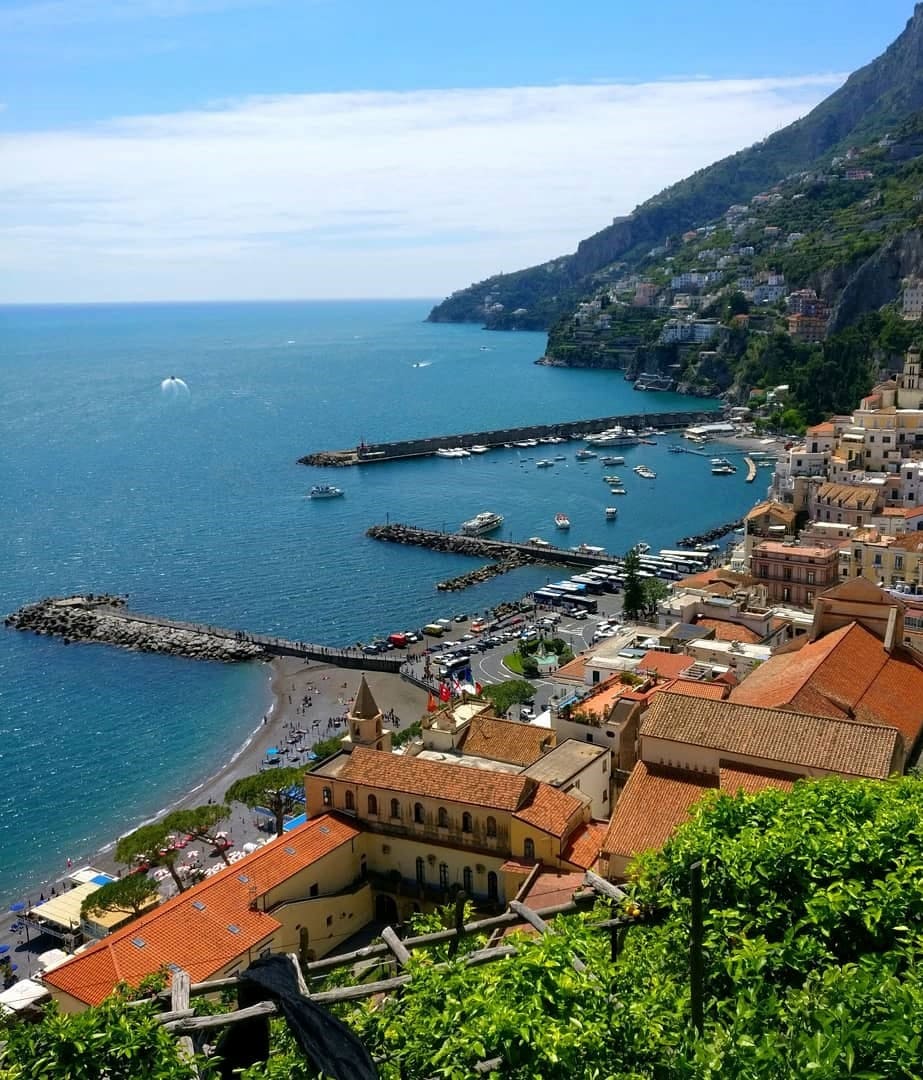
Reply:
x=787, y=573
x=468, y=880
x=330, y=920
x=810, y=577
x=786, y=595
x=395, y=809
x=419, y=814
x=373, y=806
x=877, y=559
x=421, y=870
x=327, y=796
x=595, y=676
x=443, y=818
x=444, y=875
x=492, y=890
x=898, y=562
x=491, y=826
x=528, y=848
x=466, y=822
x=809, y=597
x=314, y=890
x=350, y=801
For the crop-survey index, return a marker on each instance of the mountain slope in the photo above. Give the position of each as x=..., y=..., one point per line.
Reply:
x=874, y=99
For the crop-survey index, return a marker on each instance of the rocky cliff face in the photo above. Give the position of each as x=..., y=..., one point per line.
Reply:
x=877, y=280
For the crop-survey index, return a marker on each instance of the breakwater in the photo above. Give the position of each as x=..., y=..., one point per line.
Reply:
x=707, y=537
x=478, y=547
x=105, y=619
x=372, y=453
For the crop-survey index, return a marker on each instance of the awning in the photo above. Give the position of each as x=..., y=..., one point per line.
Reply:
x=21, y=995
x=63, y=911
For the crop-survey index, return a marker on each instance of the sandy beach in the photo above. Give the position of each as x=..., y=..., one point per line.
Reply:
x=294, y=683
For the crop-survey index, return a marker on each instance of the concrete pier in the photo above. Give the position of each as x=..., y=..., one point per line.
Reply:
x=373, y=453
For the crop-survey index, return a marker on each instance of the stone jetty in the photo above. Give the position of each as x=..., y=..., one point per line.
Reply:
x=707, y=537
x=485, y=573
x=105, y=619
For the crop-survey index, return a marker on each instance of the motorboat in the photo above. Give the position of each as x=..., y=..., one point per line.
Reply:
x=616, y=480
x=453, y=452
x=588, y=549
x=642, y=548
x=723, y=470
x=617, y=491
x=485, y=522
x=723, y=461
x=612, y=512
x=617, y=436
x=612, y=460
x=537, y=541
x=478, y=449
x=645, y=473
x=585, y=455
x=325, y=491
x=560, y=457
x=561, y=521
x=544, y=464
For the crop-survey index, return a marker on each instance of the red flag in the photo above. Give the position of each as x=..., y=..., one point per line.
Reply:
x=477, y=688
x=444, y=692
x=431, y=705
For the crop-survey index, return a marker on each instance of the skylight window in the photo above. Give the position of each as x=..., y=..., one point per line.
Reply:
x=243, y=879
x=138, y=942
x=198, y=905
x=233, y=928
x=289, y=850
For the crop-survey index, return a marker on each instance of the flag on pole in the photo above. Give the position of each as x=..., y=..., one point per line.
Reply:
x=477, y=688
x=444, y=692
x=431, y=705
x=456, y=686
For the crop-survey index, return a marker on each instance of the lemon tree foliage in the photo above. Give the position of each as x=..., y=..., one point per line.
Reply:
x=813, y=943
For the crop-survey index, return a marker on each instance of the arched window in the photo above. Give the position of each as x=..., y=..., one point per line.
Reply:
x=528, y=847
x=491, y=826
x=350, y=801
x=327, y=796
x=419, y=815
x=466, y=822
x=395, y=808
x=443, y=818
x=492, y=885
x=421, y=869
x=444, y=875
x=468, y=880
x=373, y=806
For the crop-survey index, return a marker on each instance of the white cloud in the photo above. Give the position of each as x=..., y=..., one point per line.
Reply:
x=356, y=194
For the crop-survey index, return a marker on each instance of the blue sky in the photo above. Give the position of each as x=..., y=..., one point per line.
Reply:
x=197, y=147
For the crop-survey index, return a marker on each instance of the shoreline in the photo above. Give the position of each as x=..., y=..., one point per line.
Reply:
x=291, y=682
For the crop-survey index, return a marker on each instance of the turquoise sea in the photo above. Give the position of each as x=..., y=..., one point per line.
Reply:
x=194, y=506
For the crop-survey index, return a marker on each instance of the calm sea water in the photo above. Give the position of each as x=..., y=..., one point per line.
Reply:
x=194, y=506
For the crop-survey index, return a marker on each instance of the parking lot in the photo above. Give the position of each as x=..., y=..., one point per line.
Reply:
x=483, y=651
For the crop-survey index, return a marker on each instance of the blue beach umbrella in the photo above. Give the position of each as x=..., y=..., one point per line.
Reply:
x=18, y=906
x=4, y=949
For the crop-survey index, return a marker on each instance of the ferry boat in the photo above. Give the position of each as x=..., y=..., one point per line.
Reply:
x=612, y=460
x=612, y=512
x=485, y=522
x=723, y=470
x=723, y=461
x=544, y=464
x=585, y=455
x=324, y=491
x=561, y=521
x=617, y=436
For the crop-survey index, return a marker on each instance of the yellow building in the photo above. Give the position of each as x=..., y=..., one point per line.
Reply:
x=890, y=561
x=432, y=826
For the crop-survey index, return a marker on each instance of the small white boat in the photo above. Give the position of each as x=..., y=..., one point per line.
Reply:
x=585, y=455
x=561, y=521
x=617, y=491
x=478, y=449
x=537, y=541
x=612, y=512
x=485, y=522
x=616, y=480
x=544, y=464
x=642, y=548
x=324, y=491
x=611, y=459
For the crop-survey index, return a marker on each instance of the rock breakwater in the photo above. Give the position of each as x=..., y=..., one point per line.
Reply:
x=105, y=619
x=706, y=537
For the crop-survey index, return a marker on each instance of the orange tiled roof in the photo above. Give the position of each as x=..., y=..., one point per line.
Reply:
x=395, y=772
x=773, y=735
x=715, y=691
x=826, y=428
x=574, y=669
x=653, y=803
x=847, y=673
x=599, y=700
x=730, y=631
x=506, y=740
x=668, y=665
x=200, y=939
x=549, y=810
x=718, y=581
x=583, y=847
x=736, y=778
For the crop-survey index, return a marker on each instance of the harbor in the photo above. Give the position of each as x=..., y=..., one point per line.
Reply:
x=377, y=453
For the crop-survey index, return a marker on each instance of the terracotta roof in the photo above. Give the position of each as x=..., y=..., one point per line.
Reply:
x=769, y=506
x=653, y=803
x=901, y=511
x=813, y=551
x=583, y=847
x=730, y=631
x=506, y=740
x=669, y=665
x=201, y=939
x=787, y=738
x=718, y=581
x=575, y=669
x=826, y=428
x=847, y=673
x=549, y=810
x=850, y=496
x=715, y=691
x=364, y=707
x=909, y=541
x=599, y=700
x=736, y=778
x=395, y=772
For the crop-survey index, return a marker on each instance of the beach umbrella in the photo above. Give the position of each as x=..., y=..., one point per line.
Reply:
x=4, y=949
x=18, y=906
